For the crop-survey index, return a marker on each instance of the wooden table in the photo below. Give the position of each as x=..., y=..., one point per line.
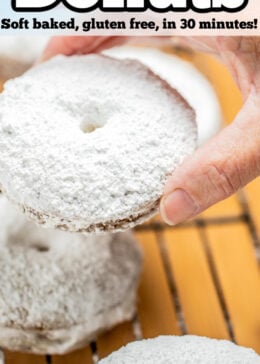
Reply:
x=199, y=278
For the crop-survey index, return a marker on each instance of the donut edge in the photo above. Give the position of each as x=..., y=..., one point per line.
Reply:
x=43, y=219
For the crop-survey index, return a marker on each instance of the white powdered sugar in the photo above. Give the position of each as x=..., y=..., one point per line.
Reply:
x=18, y=53
x=88, y=142
x=182, y=350
x=185, y=78
x=59, y=290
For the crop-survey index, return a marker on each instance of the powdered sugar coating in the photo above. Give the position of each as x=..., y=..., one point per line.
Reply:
x=110, y=178
x=182, y=350
x=59, y=290
x=185, y=78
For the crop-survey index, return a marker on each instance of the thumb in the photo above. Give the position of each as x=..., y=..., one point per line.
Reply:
x=217, y=170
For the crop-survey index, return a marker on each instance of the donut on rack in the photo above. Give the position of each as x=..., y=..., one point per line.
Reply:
x=59, y=290
x=182, y=350
x=88, y=142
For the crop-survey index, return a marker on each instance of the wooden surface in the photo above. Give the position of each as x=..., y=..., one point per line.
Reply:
x=200, y=278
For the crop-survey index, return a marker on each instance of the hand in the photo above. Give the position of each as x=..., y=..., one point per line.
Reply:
x=232, y=158
x=229, y=160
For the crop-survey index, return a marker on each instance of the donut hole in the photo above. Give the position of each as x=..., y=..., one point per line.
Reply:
x=87, y=127
x=22, y=241
x=95, y=117
x=39, y=247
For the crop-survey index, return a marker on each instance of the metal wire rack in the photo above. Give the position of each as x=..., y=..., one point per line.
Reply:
x=199, y=278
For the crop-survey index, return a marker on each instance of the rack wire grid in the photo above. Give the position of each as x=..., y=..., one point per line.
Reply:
x=201, y=277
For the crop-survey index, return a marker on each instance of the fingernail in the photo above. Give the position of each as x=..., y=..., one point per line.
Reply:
x=177, y=207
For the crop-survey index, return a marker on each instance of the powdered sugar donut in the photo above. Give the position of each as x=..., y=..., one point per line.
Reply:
x=88, y=142
x=182, y=350
x=187, y=80
x=59, y=290
x=18, y=53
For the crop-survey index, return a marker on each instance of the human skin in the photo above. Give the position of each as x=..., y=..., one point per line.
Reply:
x=229, y=160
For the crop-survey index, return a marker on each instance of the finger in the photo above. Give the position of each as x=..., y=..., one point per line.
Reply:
x=76, y=45
x=200, y=44
x=83, y=45
x=110, y=42
x=218, y=169
x=240, y=54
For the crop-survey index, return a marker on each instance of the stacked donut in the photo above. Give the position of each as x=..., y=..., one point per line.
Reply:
x=87, y=144
x=59, y=290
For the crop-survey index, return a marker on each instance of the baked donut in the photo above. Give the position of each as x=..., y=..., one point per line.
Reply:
x=186, y=79
x=59, y=290
x=182, y=350
x=88, y=142
x=17, y=54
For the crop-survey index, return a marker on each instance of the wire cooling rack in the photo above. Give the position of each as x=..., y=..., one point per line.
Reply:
x=199, y=278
